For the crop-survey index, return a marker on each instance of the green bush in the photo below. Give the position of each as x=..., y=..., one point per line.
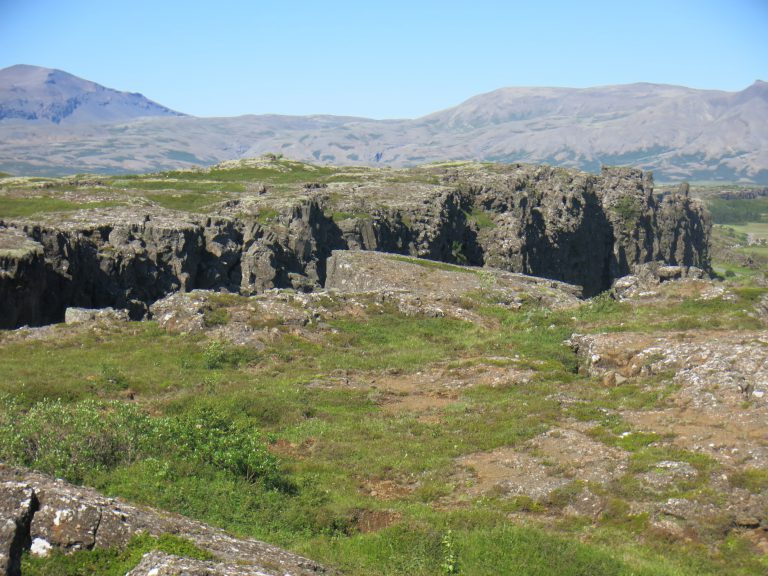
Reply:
x=212, y=438
x=220, y=355
x=628, y=208
x=74, y=440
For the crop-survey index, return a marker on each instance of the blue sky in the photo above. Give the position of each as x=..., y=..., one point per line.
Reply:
x=381, y=59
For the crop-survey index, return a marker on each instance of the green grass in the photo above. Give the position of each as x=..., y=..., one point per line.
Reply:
x=434, y=264
x=753, y=479
x=282, y=172
x=150, y=184
x=109, y=561
x=30, y=206
x=266, y=216
x=71, y=367
x=216, y=404
x=481, y=546
x=482, y=218
x=738, y=211
x=759, y=229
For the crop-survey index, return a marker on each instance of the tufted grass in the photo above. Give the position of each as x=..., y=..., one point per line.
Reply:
x=110, y=561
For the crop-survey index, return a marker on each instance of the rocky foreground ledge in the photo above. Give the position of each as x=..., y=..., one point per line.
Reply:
x=579, y=228
x=41, y=513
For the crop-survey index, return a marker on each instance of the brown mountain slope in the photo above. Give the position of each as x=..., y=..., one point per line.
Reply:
x=678, y=132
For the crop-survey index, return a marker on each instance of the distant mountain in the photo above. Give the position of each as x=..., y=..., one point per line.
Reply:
x=678, y=132
x=38, y=94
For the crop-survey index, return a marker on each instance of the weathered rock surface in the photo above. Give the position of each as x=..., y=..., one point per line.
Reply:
x=548, y=222
x=75, y=315
x=355, y=271
x=44, y=513
x=647, y=278
x=17, y=506
x=585, y=229
x=162, y=564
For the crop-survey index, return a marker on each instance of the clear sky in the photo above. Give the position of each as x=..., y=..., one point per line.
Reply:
x=381, y=59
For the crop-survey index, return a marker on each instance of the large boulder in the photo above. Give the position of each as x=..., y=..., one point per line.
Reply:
x=42, y=513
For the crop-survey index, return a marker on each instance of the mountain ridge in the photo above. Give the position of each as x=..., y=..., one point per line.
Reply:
x=34, y=93
x=678, y=132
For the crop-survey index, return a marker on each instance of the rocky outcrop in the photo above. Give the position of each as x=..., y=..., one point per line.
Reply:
x=646, y=278
x=41, y=513
x=17, y=506
x=574, y=227
x=162, y=564
x=586, y=229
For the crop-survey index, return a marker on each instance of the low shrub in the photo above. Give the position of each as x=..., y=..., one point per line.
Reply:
x=77, y=439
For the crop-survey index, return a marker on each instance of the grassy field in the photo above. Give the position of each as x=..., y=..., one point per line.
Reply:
x=314, y=449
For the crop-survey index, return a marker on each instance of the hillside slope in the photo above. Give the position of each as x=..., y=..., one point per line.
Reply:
x=53, y=123
x=35, y=94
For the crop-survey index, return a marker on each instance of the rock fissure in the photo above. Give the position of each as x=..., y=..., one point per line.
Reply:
x=574, y=227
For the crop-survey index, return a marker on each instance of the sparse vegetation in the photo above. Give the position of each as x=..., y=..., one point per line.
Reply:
x=627, y=207
x=482, y=218
x=110, y=562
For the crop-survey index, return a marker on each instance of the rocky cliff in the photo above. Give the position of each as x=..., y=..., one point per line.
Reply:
x=555, y=223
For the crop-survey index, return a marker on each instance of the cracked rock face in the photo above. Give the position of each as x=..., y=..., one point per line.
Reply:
x=39, y=513
x=579, y=228
x=17, y=506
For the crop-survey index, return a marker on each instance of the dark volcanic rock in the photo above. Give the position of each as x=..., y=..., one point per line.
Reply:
x=22, y=279
x=549, y=222
x=585, y=229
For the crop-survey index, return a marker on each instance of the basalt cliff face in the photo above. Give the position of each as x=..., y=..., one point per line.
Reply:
x=555, y=223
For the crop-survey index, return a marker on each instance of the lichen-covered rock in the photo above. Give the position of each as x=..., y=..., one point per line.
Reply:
x=357, y=271
x=77, y=315
x=44, y=513
x=647, y=278
x=162, y=564
x=17, y=506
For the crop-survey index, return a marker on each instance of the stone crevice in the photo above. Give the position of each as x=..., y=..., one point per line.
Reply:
x=579, y=228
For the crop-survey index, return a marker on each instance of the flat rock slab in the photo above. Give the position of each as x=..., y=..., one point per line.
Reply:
x=161, y=564
x=358, y=271
x=15, y=245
